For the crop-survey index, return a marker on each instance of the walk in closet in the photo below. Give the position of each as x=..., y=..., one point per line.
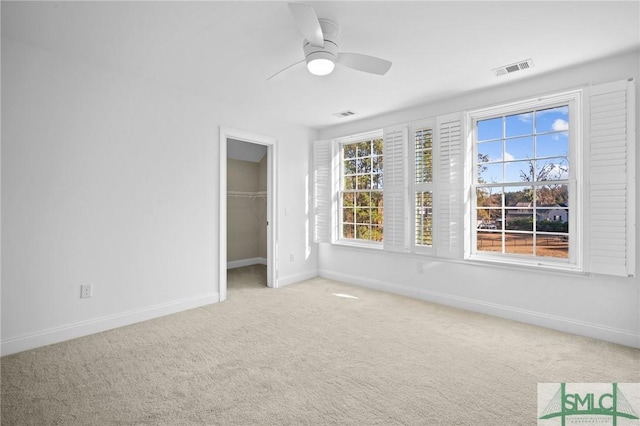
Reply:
x=246, y=204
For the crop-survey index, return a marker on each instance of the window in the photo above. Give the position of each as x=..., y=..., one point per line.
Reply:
x=423, y=186
x=360, y=193
x=524, y=166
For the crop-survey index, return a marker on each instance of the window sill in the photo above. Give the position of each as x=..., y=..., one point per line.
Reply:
x=359, y=245
x=533, y=265
x=487, y=262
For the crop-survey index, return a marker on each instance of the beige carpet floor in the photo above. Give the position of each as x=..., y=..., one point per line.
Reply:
x=313, y=353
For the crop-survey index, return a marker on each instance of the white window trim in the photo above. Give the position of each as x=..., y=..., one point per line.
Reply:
x=337, y=171
x=574, y=99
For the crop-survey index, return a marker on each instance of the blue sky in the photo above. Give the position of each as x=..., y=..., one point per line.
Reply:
x=519, y=137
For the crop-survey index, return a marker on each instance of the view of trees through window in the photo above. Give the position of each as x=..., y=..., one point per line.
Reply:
x=361, y=190
x=423, y=139
x=522, y=184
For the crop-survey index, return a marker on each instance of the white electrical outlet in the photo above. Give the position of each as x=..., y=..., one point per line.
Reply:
x=290, y=257
x=420, y=268
x=86, y=291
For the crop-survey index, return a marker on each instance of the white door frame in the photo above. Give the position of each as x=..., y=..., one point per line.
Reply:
x=272, y=240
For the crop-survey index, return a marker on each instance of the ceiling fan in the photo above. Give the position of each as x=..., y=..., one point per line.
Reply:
x=321, y=48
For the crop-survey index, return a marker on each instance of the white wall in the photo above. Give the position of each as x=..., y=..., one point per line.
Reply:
x=113, y=180
x=599, y=306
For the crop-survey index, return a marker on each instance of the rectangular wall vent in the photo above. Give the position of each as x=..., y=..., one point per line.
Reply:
x=344, y=114
x=508, y=69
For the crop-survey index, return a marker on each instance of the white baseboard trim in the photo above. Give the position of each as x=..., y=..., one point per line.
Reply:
x=567, y=325
x=97, y=325
x=246, y=262
x=296, y=278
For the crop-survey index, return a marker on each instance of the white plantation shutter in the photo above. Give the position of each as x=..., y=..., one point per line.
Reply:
x=322, y=157
x=611, y=173
x=395, y=188
x=449, y=202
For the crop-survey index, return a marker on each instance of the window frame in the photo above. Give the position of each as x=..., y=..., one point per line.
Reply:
x=575, y=181
x=339, y=182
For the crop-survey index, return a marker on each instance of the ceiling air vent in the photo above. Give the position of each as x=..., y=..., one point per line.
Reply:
x=344, y=114
x=508, y=69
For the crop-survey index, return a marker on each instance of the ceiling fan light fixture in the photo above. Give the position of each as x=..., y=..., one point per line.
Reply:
x=321, y=60
x=320, y=66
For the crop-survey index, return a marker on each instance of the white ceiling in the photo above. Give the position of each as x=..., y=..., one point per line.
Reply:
x=227, y=50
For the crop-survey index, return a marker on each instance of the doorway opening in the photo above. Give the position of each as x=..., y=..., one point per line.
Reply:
x=247, y=206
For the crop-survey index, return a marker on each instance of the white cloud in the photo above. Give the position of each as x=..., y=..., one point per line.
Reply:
x=560, y=125
x=526, y=117
x=507, y=157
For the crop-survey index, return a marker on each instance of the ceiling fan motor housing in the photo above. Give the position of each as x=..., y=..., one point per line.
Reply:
x=330, y=49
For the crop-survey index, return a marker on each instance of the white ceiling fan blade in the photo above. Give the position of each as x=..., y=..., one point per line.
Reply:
x=284, y=69
x=365, y=63
x=307, y=22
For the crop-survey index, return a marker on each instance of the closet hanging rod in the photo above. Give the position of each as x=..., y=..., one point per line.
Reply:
x=246, y=194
